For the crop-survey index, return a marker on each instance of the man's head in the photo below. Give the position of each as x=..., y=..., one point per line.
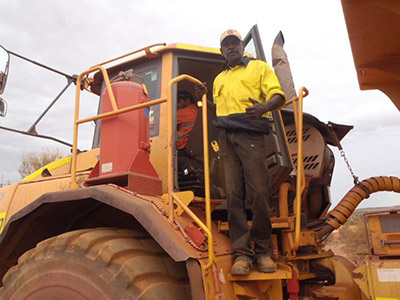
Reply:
x=232, y=47
x=184, y=99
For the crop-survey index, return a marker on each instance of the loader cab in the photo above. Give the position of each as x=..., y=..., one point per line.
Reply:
x=157, y=69
x=165, y=64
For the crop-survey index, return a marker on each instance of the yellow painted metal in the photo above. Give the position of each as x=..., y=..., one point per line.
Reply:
x=7, y=196
x=122, y=110
x=17, y=196
x=276, y=224
x=186, y=197
x=373, y=28
x=99, y=67
x=29, y=191
x=307, y=238
x=170, y=163
x=159, y=144
x=74, y=185
x=283, y=272
x=379, y=278
x=115, y=111
x=300, y=176
x=146, y=49
x=345, y=287
x=216, y=284
x=283, y=199
x=2, y=220
x=171, y=139
x=206, y=229
x=273, y=289
x=259, y=286
x=50, y=166
x=384, y=243
x=197, y=48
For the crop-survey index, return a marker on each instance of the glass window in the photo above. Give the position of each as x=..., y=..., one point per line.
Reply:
x=152, y=81
x=251, y=49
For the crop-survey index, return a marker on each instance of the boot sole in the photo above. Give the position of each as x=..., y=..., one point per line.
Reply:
x=241, y=273
x=267, y=270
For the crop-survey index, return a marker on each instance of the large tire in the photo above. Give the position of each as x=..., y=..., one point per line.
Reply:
x=96, y=264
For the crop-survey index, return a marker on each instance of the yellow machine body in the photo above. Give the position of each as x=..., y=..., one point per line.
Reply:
x=175, y=245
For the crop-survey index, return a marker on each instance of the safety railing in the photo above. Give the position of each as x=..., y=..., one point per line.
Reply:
x=115, y=111
x=300, y=175
x=171, y=194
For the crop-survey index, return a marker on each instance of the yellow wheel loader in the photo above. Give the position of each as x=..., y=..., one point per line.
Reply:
x=128, y=220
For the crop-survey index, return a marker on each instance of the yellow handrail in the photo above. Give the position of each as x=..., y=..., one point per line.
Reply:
x=114, y=112
x=112, y=99
x=76, y=117
x=145, y=49
x=171, y=194
x=300, y=175
x=202, y=226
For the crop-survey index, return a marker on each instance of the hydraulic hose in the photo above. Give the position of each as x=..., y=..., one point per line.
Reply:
x=339, y=215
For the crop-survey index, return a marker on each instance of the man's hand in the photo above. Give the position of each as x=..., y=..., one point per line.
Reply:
x=258, y=109
x=255, y=111
x=200, y=89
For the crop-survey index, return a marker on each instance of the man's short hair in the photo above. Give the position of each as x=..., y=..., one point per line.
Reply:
x=186, y=95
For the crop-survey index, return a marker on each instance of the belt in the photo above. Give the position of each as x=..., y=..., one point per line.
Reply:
x=240, y=130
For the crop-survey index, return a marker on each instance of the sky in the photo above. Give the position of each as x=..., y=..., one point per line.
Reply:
x=73, y=35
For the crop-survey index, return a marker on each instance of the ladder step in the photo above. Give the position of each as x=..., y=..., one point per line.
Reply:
x=283, y=272
x=282, y=223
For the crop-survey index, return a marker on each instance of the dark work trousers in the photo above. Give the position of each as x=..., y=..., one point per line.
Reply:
x=243, y=154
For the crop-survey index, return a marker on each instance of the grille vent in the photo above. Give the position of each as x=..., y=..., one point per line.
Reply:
x=309, y=162
x=291, y=135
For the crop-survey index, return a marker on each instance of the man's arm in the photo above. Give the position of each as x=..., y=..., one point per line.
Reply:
x=258, y=109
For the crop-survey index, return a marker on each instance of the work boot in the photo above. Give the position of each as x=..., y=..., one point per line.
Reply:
x=265, y=264
x=242, y=265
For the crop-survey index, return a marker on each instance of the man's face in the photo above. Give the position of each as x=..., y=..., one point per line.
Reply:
x=232, y=50
x=182, y=103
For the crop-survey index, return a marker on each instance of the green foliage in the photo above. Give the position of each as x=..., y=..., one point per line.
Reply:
x=33, y=160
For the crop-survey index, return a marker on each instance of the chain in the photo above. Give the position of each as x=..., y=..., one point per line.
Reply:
x=355, y=178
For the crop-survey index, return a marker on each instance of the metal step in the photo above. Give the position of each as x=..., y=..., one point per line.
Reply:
x=283, y=272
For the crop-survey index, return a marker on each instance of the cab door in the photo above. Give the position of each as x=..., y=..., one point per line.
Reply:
x=253, y=44
x=279, y=160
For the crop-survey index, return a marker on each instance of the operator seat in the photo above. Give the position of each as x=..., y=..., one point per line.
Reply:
x=191, y=167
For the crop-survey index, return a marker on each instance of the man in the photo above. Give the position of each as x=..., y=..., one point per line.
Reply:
x=185, y=118
x=244, y=94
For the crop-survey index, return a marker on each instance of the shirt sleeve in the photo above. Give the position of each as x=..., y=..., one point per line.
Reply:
x=269, y=83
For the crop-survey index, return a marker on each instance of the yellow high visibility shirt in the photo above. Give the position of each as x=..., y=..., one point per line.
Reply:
x=233, y=87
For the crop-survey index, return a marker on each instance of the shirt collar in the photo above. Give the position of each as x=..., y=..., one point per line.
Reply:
x=244, y=61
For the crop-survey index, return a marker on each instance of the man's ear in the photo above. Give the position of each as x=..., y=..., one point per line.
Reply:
x=220, y=49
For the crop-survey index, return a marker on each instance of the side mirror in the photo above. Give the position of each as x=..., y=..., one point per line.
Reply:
x=3, y=107
x=4, y=63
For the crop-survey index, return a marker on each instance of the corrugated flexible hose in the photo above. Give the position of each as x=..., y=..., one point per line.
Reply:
x=339, y=215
